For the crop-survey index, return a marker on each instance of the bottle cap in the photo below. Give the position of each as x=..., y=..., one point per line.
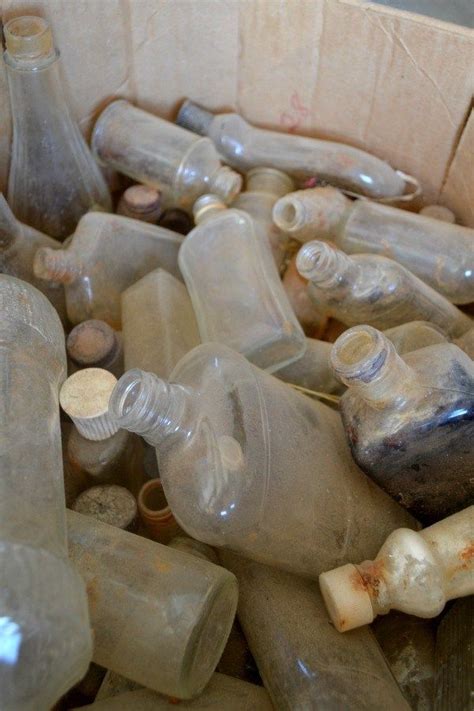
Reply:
x=346, y=598
x=28, y=37
x=92, y=343
x=85, y=398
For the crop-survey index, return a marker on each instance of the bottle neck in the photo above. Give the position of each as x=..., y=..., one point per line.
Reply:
x=9, y=225
x=207, y=207
x=29, y=44
x=56, y=265
x=270, y=181
x=327, y=268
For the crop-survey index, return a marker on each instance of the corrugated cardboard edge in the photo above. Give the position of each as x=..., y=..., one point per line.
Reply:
x=457, y=192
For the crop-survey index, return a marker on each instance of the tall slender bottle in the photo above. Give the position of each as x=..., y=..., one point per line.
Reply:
x=53, y=178
x=45, y=639
x=440, y=254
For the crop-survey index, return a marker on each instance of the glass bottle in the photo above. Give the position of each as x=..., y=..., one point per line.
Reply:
x=222, y=430
x=140, y=202
x=313, y=319
x=244, y=147
x=53, y=177
x=172, y=640
x=45, y=639
x=18, y=245
x=466, y=342
x=414, y=335
x=158, y=323
x=304, y=662
x=235, y=287
x=107, y=254
x=110, y=504
x=454, y=651
x=410, y=420
x=155, y=513
x=374, y=290
x=160, y=154
x=439, y=253
x=263, y=188
x=94, y=344
x=414, y=572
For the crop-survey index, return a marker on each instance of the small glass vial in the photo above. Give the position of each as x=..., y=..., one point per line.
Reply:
x=409, y=420
x=160, y=154
x=454, y=657
x=159, y=616
x=106, y=255
x=155, y=513
x=94, y=344
x=374, y=290
x=53, y=177
x=158, y=323
x=414, y=572
x=235, y=287
x=109, y=504
x=140, y=202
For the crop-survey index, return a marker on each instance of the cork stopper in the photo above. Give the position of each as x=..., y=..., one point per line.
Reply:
x=206, y=206
x=346, y=598
x=28, y=38
x=155, y=513
x=140, y=202
x=110, y=504
x=93, y=343
x=85, y=398
x=194, y=118
x=270, y=181
x=438, y=212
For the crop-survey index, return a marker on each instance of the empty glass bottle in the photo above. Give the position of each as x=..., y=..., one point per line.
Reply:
x=235, y=288
x=414, y=572
x=374, y=290
x=53, y=177
x=140, y=202
x=222, y=429
x=45, y=639
x=440, y=254
x=94, y=344
x=172, y=640
x=410, y=420
x=155, y=513
x=454, y=653
x=304, y=662
x=263, y=188
x=107, y=254
x=243, y=146
x=160, y=154
x=18, y=245
x=158, y=323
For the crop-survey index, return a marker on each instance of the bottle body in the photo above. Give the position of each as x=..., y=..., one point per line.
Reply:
x=106, y=255
x=48, y=631
x=236, y=291
x=414, y=335
x=159, y=326
x=454, y=684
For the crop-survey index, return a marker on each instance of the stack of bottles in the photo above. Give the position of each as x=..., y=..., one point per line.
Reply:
x=266, y=440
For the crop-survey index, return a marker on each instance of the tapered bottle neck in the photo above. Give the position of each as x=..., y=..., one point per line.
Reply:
x=327, y=268
x=207, y=207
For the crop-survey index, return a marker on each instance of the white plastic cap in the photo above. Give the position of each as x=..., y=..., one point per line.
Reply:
x=85, y=398
x=346, y=598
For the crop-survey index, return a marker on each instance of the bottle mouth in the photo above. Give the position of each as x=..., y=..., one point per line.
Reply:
x=359, y=354
x=317, y=261
x=28, y=37
x=127, y=396
x=288, y=214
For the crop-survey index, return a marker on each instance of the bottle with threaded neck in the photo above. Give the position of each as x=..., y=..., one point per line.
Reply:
x=416, y=573
x=235, y=288
x=244, y=147
x=439, y=253
x=374, y=290
x=221, y=429
x=106, y=254
x=410, y=420
x=53, y=177
x=454, y=652
x=160, y=154
x=140, y=202
x=263, y=188
x=45, y=639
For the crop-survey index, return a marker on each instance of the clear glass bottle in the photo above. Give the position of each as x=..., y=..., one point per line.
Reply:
x=410, y=420
x=110, y=504
x=414, y=335
x=312, y=318
x=45, y=638
x=140, y=202
x=94, y=344
x=454, y=651
x=263, y=187
x=414, y=572
x=374, y=290
x=304, y=662
x=172, y=640
x=155, y=513
x=107, y=254
x=53, y=177
x=244, y=147
x=158, y=323
x=439, y=253
x=249, y=464
x=18, y=245
x=160, y=154
x=235, y=287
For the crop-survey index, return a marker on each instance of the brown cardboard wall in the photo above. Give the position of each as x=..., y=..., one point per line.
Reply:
x=396, y=84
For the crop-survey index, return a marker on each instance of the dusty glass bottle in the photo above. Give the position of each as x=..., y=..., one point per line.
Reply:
x=235, y=287
x=466, y=342
x=263, y=187
x=222, y=429
x=107, y=254
x=160, y=154
x=440, y=254
x=244, y=146
x=414, y=572
x=454, y=652
x=414, y=335
x=374, y=290
x=53, y=177
x=304, y=662
x=158, y=323
x=410, y=420
x=171, y=641
x=45, y=639
x=18, y=245
x=140, y=202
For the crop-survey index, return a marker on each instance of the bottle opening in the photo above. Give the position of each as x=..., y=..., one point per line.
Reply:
x=126, y=395
x=287, y=214
x=152, y=497
x=28, y=37
x=314, y=260
x=359, y=354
